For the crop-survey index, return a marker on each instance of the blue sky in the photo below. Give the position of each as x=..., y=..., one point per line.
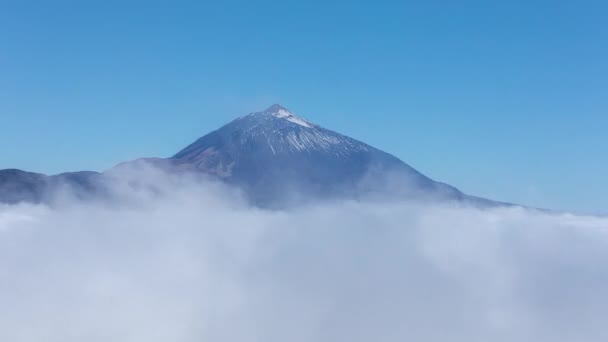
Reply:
x=503, y=99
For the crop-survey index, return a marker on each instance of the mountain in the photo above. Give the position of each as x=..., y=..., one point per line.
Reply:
x=21, y=186
x=274, y=154
x=277, y=158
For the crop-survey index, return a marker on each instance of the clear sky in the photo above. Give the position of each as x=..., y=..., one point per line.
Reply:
x=503, y=99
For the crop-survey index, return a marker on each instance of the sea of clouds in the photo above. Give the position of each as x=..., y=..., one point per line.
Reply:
x=191, y=261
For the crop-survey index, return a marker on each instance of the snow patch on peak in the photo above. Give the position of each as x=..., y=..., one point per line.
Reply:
x=285, y=114
x=282, y=113
x=299, y=121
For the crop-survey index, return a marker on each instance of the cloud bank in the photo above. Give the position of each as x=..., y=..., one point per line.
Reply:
x=190, y=261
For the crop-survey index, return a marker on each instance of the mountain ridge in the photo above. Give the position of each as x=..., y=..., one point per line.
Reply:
x=278, y=159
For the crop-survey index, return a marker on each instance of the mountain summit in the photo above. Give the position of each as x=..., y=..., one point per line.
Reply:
x=278, y=159
x=275, y=131
x=281, y=112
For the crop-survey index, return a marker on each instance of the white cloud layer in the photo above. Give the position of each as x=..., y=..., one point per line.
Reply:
x=194, y=263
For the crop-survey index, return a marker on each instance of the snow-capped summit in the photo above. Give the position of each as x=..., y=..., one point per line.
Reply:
x=276, y=131
x=275, y=112
x=281, y=112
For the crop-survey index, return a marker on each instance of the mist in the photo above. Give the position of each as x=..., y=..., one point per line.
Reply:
x=190, y=260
